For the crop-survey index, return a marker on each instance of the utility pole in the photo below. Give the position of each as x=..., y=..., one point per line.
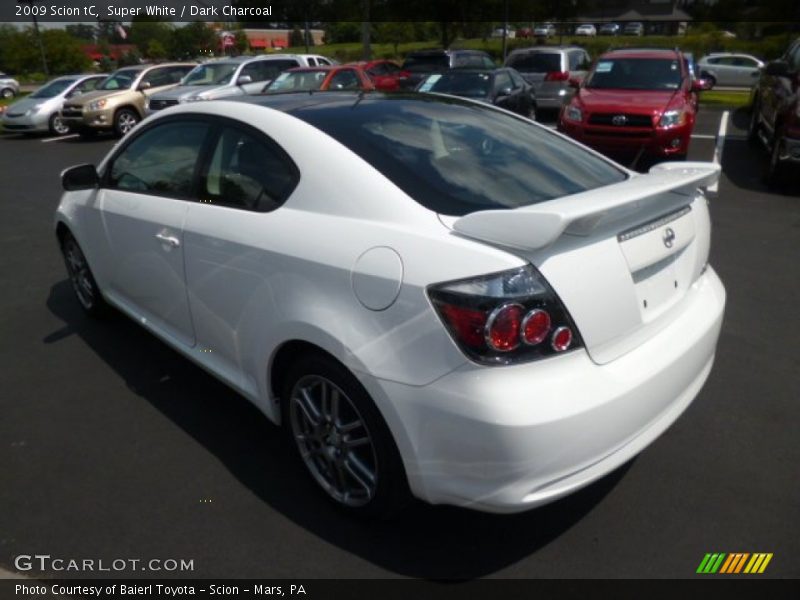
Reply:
x=38, y=37
x=366, y=50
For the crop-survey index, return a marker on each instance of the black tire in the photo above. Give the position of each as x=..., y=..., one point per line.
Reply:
x=83, y=283
x=753, y=127
x=323, y=448
x=56, y=125
x=7, y=93
x=775, y=170
x=125, y=119
x=712, y=81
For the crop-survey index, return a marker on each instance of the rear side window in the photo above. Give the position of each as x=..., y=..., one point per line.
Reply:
x=247, y=172
x=161, y=161
x=536, y=62
x=455, y=157
x=345, y=79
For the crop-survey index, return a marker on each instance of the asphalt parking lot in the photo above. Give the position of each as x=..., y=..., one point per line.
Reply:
x=116, y=447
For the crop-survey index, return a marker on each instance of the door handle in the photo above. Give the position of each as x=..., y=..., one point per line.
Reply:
x=166, y=238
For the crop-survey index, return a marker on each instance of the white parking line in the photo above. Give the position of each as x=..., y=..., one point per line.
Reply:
x=60, y=138
x=723, y=131
x=703, y=136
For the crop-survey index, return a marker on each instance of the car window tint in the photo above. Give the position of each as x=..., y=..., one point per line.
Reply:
x=257, y=71
x=158, y=77
x=536, y=62
x=517, y=79
x=636, y=74
x=324, y=61
x=161, y=160
x=247, y=172
x=463, y=157
x=89, y=85
x=345, y=79
x=502, y=82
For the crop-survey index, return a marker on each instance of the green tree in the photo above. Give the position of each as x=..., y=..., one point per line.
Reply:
x=242, y=43
x=394, y=32
x=155, y=50
x=193, y=39
x=82, y=31
x=145, y=30
x=296, y=38
x=20, y=54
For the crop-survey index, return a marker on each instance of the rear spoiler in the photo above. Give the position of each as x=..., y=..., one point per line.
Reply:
x=539, y=225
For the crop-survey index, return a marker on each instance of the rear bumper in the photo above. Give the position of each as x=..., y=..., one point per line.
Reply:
x=507, y=439
x=617, y=140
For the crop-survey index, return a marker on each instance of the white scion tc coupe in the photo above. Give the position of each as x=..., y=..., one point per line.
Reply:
x=437, y=298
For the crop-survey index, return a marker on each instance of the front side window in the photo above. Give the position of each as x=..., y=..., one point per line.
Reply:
x=121, y=80
x=247, y=172
x=159, y=77
x=636, y=74
x=459, y=83
x=211, y=74
x=160, y=161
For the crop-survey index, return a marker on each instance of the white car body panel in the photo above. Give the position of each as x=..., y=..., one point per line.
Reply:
x=501, y=439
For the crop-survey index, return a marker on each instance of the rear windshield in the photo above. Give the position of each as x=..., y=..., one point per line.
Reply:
x=471, y=85
x=536, y=62
x=426, y=63
x=636, y=74
x=455, y=157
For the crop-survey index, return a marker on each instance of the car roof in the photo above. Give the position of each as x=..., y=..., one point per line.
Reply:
x=443, y=52
x=641, y=53
x=538, y=49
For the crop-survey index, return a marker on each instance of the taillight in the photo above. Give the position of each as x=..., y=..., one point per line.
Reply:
x=557, y=76
x=504, y=318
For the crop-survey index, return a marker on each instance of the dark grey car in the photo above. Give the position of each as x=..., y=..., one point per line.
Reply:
x=548, y=69
x=422, y=63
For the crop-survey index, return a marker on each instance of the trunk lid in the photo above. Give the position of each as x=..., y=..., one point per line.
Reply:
x=621, y=258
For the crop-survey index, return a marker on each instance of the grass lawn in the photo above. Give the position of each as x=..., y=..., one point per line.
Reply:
x=727, y=99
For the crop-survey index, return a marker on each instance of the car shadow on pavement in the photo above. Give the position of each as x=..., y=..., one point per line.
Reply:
x=425, y=541
x=744, y=163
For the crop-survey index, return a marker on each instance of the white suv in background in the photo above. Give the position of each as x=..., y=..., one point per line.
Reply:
x=234, y=76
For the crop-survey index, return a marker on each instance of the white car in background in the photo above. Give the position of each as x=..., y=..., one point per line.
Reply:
x=9, y=87
x=587, y=29
x=41, y=111
x=356, y=267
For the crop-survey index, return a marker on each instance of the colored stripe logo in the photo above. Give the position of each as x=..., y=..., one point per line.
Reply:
x=734, y=563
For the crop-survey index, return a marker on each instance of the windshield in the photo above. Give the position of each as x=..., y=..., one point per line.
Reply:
x=636, y=74
x=53, y=89
x=455, y=157
x=121, y=80
x=536, y=62
x=299, y=81
x=426, y=63
x=471, y=85
x=210, y=74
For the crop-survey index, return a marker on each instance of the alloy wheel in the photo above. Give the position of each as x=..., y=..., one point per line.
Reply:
x=333, y=440
x=59, y=126
x=125, y=122
x=79, y=274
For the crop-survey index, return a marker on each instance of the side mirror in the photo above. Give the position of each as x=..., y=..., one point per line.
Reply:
x=82, y=177
x=701, y=85
x=244, y=80
x=506, y=91
x=145, y=85
x=778, y=68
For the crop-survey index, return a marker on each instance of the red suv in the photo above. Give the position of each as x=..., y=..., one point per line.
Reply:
x=635, y=102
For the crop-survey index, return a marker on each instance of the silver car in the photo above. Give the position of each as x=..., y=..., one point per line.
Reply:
x=9, y=87
x=548, y=69
x=40, y=112
x=725, y=68
x=228, y=77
